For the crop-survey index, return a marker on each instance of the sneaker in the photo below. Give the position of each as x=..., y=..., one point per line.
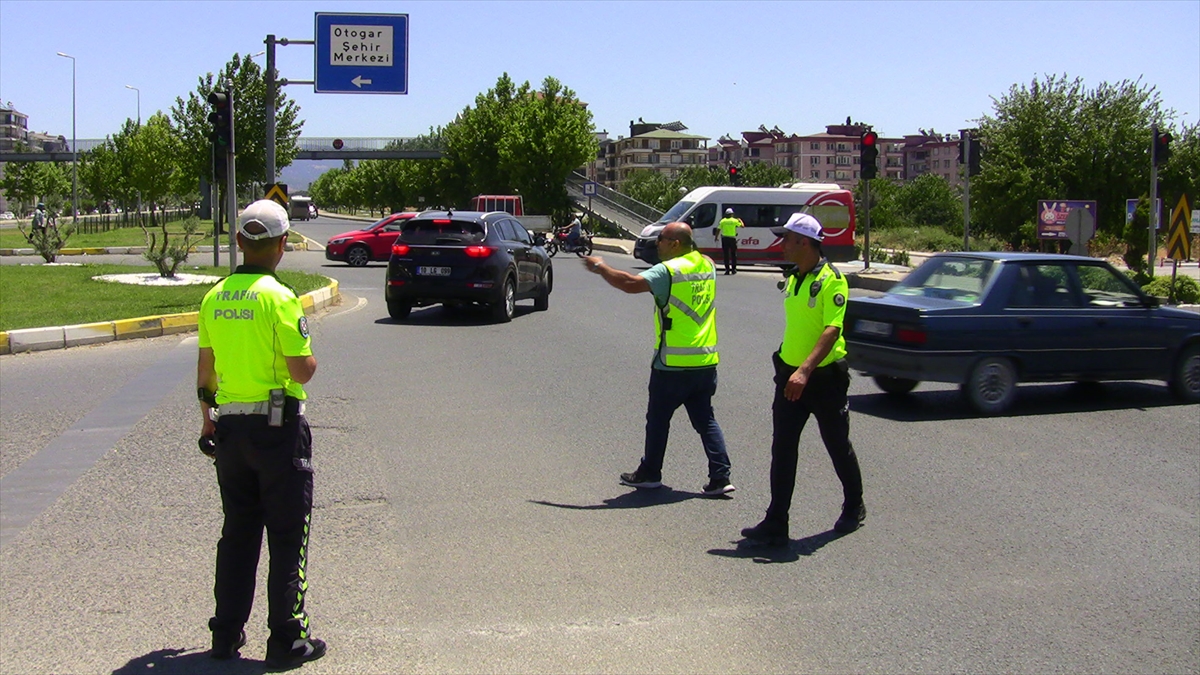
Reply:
x=637, y=480
x=717, y=486
x=851, y=519
x=767, y=532
x=225, y=646
x=302, y=651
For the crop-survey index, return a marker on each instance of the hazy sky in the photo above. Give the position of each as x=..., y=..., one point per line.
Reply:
x=719, y=67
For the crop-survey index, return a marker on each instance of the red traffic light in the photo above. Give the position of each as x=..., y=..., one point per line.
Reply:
x=869, y=138
x=733, y=171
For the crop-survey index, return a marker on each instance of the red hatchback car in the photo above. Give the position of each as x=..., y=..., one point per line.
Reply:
x=373, y=242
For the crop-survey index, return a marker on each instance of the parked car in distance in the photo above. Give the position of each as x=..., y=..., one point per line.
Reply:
x=467, y=257
x=374, y=242
x=987, y=321
x=7, y=215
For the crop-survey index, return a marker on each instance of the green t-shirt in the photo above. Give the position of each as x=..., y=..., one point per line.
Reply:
x=729, y=226
x=808, y=314
x=252, y=320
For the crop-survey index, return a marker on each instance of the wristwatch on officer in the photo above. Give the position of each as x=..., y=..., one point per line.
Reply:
x=206, y=396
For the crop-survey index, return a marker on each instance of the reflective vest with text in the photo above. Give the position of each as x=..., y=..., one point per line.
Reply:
x=687, y=325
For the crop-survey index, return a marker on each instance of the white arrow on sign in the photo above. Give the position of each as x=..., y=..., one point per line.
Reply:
x=359, y=81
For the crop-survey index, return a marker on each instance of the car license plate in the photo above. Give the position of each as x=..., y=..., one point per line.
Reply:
x=433, y=271
x=869, y=327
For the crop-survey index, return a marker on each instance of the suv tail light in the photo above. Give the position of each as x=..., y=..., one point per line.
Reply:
x=399, y=249
x=479, y=251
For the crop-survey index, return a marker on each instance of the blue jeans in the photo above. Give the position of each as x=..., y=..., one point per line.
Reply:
x=693, y=389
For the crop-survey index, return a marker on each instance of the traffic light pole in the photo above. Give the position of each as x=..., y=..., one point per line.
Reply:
x=231, y=184
x=269, y=79
x=1153, y=219
x=967, y=199
x=867, y=227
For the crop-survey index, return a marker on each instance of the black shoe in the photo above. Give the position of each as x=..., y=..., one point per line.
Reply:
x=637, y=480
x=726, y=272
x=767, y=532
x=225, y=646
x=302, y=652
x=851, y=519
x=734, y=272
x=717, y=486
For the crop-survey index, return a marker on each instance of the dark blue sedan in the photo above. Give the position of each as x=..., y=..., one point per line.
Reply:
x=987, y=321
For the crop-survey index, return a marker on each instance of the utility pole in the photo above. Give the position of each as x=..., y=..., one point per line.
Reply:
x=269, y=80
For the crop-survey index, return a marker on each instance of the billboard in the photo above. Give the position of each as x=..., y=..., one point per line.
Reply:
x=1053, y=213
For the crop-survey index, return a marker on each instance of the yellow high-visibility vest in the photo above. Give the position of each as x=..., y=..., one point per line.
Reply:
x=687, y=325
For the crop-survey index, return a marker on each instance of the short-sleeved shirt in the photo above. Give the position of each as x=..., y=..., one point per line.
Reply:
x=729, y=226
x=659, y=278
x=807, y=315
x=252, y=321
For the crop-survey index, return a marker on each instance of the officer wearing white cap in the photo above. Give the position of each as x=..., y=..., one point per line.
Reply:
x=811, y=378
x=255, y=357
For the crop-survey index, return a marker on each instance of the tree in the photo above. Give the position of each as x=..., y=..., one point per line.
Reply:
x=1056, y=139
x=928, y=200
x=761, y=174
x=249, y=95
x=651, y=188
x=1181, y=175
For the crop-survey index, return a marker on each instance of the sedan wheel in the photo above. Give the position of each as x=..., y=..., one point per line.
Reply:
x=991, y=386
x=503, y=310
x=1185, y=377
x=896, y=386
x=358, y=256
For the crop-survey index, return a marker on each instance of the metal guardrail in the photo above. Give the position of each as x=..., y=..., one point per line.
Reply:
x=619, y=211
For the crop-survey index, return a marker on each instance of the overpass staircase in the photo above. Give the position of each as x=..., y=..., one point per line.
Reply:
x=624, y=214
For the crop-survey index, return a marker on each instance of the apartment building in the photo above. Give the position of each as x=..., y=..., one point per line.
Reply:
x=664, y=148
x=931, y=152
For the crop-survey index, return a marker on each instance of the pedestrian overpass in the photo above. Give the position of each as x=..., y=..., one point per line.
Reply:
x=614, y=209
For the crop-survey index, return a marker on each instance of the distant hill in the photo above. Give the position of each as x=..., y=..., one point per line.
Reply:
x=303, y=172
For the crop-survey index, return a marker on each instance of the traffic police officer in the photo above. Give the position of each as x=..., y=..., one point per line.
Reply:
x=684, y=369
x=811, y=377
x=729, y=226
x=255, y=356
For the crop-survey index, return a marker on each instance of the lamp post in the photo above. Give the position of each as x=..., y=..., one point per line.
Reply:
x=74, y=148
x=139, y=101
x=139, y=126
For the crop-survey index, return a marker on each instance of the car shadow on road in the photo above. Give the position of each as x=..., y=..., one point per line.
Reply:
x=635, y=499
x=188, y=662
x=1031, y=400
x=791, y=552
x=438, y=315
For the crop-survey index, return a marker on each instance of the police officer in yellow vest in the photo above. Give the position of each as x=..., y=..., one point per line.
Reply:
x=684, y=369
x=255, y=357
x=811, y=377
x=729, y=226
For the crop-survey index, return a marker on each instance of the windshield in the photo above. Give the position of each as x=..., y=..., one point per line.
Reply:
x=948, y=278
x=675, y=213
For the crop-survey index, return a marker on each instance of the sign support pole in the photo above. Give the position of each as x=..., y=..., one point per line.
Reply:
x=269, y=98
x=967, y=195
x=231, y=185
x=867, y=228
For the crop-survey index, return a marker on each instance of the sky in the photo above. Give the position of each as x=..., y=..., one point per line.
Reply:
x=719, y=67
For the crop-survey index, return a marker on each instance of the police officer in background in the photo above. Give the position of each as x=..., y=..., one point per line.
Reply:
x=255, y=357
x=684, y=369
x=811, y=377
x=729, y=226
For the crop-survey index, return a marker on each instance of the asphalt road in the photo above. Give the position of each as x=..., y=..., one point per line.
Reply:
x=469, y=518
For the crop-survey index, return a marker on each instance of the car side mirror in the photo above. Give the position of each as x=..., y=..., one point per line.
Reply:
x=539, y=239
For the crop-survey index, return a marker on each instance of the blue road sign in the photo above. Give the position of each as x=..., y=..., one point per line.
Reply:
x=589, y=189
x=361, y=54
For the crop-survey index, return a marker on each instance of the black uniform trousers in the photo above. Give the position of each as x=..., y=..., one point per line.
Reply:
x=266, y=480
x=729, y=252
x=824, y=397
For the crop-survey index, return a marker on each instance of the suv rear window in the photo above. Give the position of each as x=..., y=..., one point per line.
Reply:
x=442, y=231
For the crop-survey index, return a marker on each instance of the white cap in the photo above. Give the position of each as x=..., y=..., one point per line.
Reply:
x=803, y=225
x=271, y=216
x=729, y=212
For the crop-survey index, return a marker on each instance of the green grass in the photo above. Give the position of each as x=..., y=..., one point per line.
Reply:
x=34, y=296
x=926, y=238
x=125, y=236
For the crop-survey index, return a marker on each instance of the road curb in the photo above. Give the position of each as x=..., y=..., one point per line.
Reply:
x=61, y=337
x=301, y=245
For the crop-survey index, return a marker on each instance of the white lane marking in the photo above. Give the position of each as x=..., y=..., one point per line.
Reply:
x=362, y=302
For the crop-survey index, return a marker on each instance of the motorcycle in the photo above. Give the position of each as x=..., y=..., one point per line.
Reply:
x=558, y=242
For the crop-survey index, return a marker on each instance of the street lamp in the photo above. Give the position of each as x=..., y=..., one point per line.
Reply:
x=139, y=126
x=139, y=101
x=74, y=147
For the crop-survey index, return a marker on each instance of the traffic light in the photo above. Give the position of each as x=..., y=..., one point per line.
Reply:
x=1161, y=151
x=221, y=118
x=974, y=157
x=735, y=175
x=869, y=154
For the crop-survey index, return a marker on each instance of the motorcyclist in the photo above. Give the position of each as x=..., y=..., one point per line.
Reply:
x=39, y=217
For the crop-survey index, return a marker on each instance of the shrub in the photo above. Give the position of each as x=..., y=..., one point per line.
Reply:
x=1186, y=290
